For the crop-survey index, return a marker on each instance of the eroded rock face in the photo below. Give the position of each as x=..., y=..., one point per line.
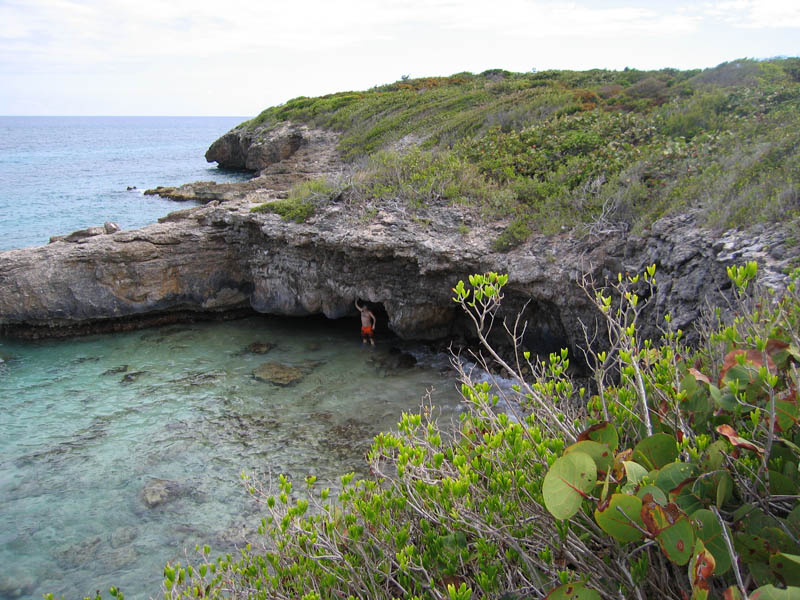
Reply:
x=258, y=148
x=181, y=265
x=222, y=257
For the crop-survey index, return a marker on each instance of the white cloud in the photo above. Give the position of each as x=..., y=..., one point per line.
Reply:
x=755, y=14
x=199, y=56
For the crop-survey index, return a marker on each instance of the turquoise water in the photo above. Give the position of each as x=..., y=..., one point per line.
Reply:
x=119, y=452
x=88, y=424
x=61, y=174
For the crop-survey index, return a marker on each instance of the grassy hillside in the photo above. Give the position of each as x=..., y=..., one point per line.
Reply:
x=603, y=149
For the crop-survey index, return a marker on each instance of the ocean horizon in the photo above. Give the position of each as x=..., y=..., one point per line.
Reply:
x=61, y=174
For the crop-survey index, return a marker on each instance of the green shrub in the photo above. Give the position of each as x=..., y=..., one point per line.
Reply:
x=674, y=476
x=290, y=209
x=302, y=200
x=513, y=235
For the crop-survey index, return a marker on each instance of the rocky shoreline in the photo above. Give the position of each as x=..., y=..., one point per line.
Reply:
x=221, y=258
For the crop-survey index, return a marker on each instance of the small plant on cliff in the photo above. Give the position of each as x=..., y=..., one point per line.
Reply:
x=300, y=204
x=675, y=477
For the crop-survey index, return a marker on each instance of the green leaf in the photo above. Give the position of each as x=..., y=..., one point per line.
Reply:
x=604, y=433
x=786, y=413
x=573, y=591
x=724, y=489
x=567, y=482
x=732, y=593
x=677, y=541
x=786, y=567
x=600, y=453
x=674, y=474
x=656, y=451
x=634, y=471
x=714, y=456
x=781, y=485
x=658, y=494
x=770, y=592
x=614, y=523
x=709, y=530
x=752, y=548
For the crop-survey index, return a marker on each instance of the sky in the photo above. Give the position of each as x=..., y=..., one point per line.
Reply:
x=235, y=57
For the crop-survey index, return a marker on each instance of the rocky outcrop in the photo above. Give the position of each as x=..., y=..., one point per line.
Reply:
x=158, y=270
x=82, y=234
x=257, y=148
x=222, y=256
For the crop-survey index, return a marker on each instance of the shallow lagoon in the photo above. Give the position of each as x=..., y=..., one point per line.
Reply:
x=89, y=424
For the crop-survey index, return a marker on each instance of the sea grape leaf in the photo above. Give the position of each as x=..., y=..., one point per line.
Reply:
x=701, y=569
x=600, y=453
x=779, y=539
x=673, y=474
x=604, y=433
x=781, y=485
x=709, y=530
x=739, y=442
x=752, y=548
x=656, y=451
x=714, y=456
x=699, y=376
x=770, y=592
x=732, y=593
x=724, y=489
x=786, y=568
x=793, y=521
x=567, y=482
x=610, y=517
x=634, y=471
x=656, y=492
x=697, y=401
x=753, y=359
x=786, y=412
x=573, y=591
x=687, y=497
x=677, y=541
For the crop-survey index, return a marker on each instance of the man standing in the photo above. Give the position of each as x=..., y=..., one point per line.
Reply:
x=367, y=324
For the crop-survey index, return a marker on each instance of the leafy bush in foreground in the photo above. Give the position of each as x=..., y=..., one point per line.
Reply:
x=675, y=477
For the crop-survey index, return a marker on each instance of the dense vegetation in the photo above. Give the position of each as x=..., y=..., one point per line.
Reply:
x=675, y=477
x=674, y=472
x=602, y=149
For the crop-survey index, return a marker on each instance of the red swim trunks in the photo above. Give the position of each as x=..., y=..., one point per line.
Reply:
x=366, y=332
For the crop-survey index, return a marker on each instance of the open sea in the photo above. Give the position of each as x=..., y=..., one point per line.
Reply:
x=121, y=452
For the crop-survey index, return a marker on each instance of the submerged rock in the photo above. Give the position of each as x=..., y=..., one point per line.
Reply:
x=392, y=361
x=116, y=370
x=16, y=583
x=160, y=491
x=79, y=554
x=119, y=558
x=122, y=536
x=278, y=373
x=131, y=377
x=259, y=347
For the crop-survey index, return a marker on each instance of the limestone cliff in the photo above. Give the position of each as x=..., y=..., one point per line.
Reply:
x=221, y=257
